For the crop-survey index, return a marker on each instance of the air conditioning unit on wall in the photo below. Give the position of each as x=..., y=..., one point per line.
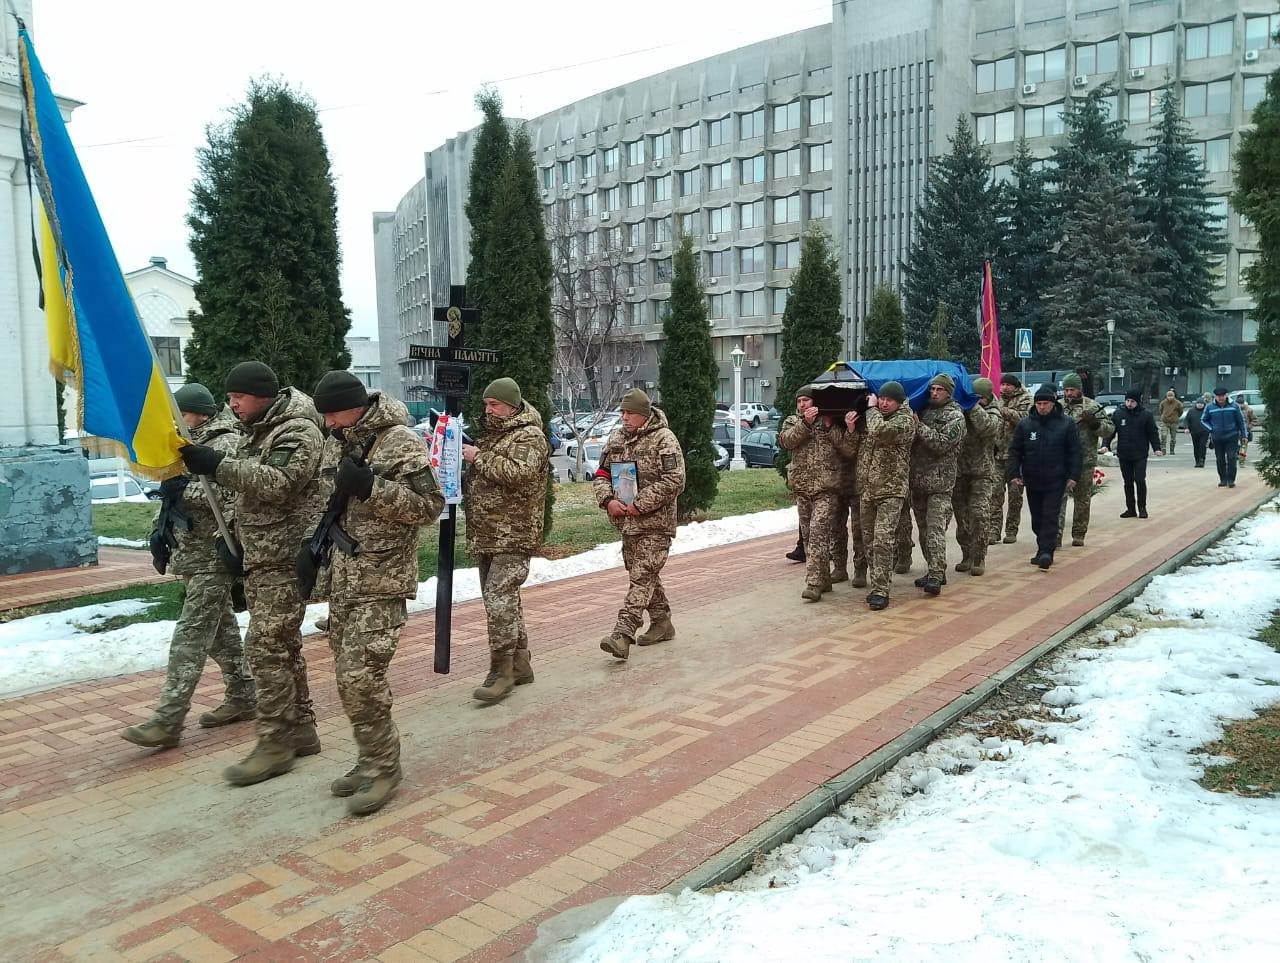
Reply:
x=1224, y=369
x=1137, y=73
x=1079, y=80
x=1250, y=56
x=1028, y=89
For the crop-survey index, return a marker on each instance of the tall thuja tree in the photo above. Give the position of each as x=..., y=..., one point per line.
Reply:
x=1257, y=197
x=938, y=348
x=884, y=327
x=264, y=236
x=957, y=228
x=1185, y=238
x=687, y=378
x=1034, y=226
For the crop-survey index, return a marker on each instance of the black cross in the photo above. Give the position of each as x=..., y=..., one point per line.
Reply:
x=456, y=316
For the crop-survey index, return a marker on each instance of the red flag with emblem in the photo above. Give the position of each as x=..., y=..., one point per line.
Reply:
x=989, y=366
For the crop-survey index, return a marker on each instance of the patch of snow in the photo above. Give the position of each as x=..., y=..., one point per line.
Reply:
x=121, y=542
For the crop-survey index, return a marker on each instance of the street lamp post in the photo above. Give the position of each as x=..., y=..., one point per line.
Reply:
x=1111, y=342
x=737, y=464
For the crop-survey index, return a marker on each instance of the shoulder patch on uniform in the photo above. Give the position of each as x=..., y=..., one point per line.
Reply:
x=668, y=462
x=279, y=456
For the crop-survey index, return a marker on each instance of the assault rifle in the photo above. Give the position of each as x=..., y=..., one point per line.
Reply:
x=317, y=551
x=163, y=540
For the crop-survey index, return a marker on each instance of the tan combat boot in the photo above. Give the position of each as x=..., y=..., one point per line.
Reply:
x=839, y=576
x=153, y=734
x=617, y=644
x=373, y=793
x=812, y=593
x=859, y=575
x=979, y=567
x=660, y=630
x=348, y=784
x=521, y=667
x=226, y=714
x=964, y=564
x=268, y=760
x=498, y=683
x=306, y=741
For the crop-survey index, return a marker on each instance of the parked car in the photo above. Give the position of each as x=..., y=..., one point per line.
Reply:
x=722, y=433
x=1110, y=401
x=104, y=488
x=722, y=457
x=753, y=413
x=591, y=451
x=760, y=448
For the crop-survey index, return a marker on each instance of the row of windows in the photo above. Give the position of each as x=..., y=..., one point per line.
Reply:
x=779, y=256
x=750, y=304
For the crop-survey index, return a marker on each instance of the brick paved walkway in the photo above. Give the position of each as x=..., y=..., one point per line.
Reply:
x=600, y=779
x=116, y=568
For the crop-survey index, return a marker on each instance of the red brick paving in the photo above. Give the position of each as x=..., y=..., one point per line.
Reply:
x=116, y=568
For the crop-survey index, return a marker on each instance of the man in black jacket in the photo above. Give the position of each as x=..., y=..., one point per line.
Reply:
x=1045, y=458
x=1196, y=427
x=1136, y=436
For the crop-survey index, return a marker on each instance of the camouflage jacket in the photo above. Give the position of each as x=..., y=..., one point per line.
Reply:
x=977, y=452
x=195, y=552
x=659, y=462
x=884, y=456
x=1089, y=434
x=816, y=461
x=936, y=451
x=849, y=445
x=504, y=490
x=1011, y=412
x=274, y=474
x=385, y=525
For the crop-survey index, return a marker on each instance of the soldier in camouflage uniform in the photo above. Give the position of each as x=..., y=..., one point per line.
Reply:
x=814, y=477
x=504, y=494
x=934, y=457
x=274, y=474
x=971, y=497
x=847, y=525
x=1014, y=405
x=645, y=514
x=1092, y=424
x=393, y=493
x=206, y=627
x=884, y=459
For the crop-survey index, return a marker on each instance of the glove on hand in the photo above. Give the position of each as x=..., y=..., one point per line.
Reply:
x=201, y=459
x=353, y=479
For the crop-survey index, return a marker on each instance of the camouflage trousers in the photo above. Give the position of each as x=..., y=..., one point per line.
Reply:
x=817, y=521
x=363, y=634
x=644, y=556
x=1082, y=496
x=206, y=629
x=879, y=518
x=273, y=648
x=998, y=492
x=1168, y=437
x=500, y=579
x=933, y=515
x=846, y=526
x=971, y=499
x=902, y=539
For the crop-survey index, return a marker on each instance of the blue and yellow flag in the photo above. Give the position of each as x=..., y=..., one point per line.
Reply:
x=96, y=342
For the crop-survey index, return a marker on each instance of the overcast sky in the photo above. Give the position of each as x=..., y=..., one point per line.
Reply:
x=392, y=80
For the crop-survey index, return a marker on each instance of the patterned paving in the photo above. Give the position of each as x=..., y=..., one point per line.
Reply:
x=116, y=568
x=599, y=779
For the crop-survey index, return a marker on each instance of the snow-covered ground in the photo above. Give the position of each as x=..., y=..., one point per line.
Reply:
x=121, y=542
x=46, y=650
x=1096, y=845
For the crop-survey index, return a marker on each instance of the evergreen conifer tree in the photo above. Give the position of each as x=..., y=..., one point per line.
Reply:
x=687, y=378
x=957, y=228
x=1094, y=147
x=884, y=327
x=939, y=349
x=264, y=235
x=1029, y=261
x=1257, y=197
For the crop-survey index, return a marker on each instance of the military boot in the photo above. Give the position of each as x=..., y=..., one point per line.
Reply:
x=498, y=683
x=1011, y=537
x=348, y=784
x=660, y=630
x=153, y=734
x=1077, y=540
x=839, y=576
x=812, y=593
x=964, y=564
x=306, y=741
x=617, y=644
x=877, y=602
x=521, y=667
x=903, y=567
x=322, y=625
x=230, y=711
x=797, y=553
x=860, y=575
x=932, y=585
x=268, y=760
x=826, y=586
x=920, y=582
x=979, y=567
x=373, y=793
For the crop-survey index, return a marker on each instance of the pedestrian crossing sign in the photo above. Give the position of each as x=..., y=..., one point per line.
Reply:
x=1022, y=341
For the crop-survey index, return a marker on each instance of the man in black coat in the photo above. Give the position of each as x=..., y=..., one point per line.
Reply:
x=1045, y=459
x=1199, y=433
x=1136, y=437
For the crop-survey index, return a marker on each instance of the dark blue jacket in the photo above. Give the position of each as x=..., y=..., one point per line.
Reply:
x=1136, y=433
x=1225, y=422
x=1045, y=452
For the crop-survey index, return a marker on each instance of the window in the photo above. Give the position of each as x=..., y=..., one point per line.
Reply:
x=820, y=204
x=718, y=132
x=780, y=299
x=637, y=273
x=169, y=354
x=1002, y=174
x=1247, y=260
x=1152, y=50
x=613, y=199
x=750, y=304
x=635, y=194
x=718, y=263
x=994, y=128
x=751, y=259
x=689, y=223
x=589, y=205
x=786, y=163
x=1219, y=214
x=997, y=75
x=661, y=146
x=662, y=230
x=689, y=139
x=610, y=159
x=636, y=235
x=591, y=244
x=690, y=182
x=717, y=306
x=1255, y=88
x=820, y=156
x=567, y=171
x=751, y=124
x=1097, y=58
x=613, y=239
x=1143, y=105
x=662, y=271
x=786, y=209
x=1215, y=155
x=661, y=310
x=751, y=215
x=1204, y=100
x=786, y=117
x=547, y=177
x=1039, y=67
x=1042, y=121
x=587, y=165
x=820, y=110
x=718, y=220
x=1260, y=32
x=662, y=188
x=635, y=152
x=786, y=255
x=719, y=175
x=1110, y=106
x=753, y=169
x=1214, y=40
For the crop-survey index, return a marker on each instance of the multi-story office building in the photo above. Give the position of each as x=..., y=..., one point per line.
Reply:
x=833, y=124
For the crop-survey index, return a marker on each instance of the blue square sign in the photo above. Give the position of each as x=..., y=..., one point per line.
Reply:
x=1022, y=342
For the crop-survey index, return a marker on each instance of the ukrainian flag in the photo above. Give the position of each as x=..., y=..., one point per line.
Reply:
x=96, y=342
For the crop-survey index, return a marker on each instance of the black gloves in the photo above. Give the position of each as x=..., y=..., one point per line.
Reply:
x=353, y=479
x=306, y=569
x=239, y=601
x=1089, y=419
x=171, y=489
x=201, y=459
x=160, y=551
x=231, y=560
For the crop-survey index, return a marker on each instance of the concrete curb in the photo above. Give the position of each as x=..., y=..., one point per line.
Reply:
x=738, y=858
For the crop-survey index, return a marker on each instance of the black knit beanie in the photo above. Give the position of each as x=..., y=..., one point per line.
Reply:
x=253, y=378
x=1045, y=393
x=338, y=391
x=1134, y=393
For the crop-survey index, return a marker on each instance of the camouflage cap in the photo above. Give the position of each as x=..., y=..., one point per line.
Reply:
x=983, y=386
x=894, y=391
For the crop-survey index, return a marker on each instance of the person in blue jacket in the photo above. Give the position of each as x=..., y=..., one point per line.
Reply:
x=1227, y=427
x=1136, y=437
x=1045, y=458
